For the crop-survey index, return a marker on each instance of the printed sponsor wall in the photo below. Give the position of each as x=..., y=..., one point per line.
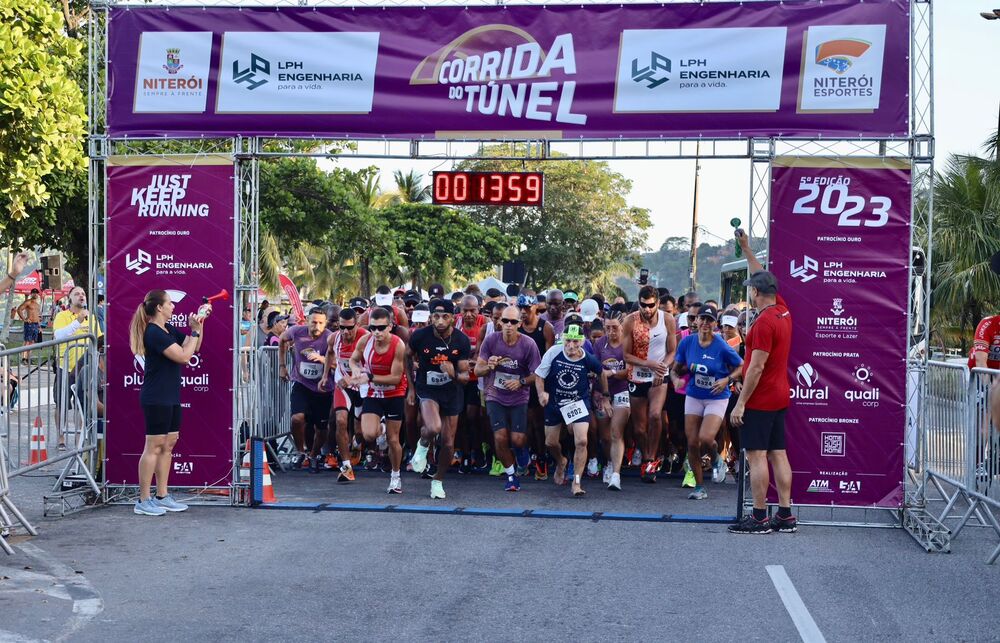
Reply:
x=840, y=248
x=772, y=68
x=170, y=226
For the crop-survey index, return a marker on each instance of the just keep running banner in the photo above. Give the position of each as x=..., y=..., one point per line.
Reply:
x=170, y=226
x=721, y=69
x=840, y=248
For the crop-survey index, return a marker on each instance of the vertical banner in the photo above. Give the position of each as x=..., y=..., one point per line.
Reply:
x=170, y=226
x=840, y=247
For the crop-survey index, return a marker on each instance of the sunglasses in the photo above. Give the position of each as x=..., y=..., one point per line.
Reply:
x=652, y=305
x=351, y=327
x=512, y=322
x=377, y=328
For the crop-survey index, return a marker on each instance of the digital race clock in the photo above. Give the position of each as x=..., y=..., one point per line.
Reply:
x=488, y=188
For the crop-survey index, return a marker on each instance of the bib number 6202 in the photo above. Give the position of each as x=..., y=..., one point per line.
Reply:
x=835, y=199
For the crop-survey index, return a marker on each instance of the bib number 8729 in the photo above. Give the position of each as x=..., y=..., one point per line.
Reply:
x=835, y=199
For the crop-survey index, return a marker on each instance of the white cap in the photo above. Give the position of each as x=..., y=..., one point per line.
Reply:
x=682, y=320
x=730, y=320
x=420, y=316
x=588, y=310
x=383, y=300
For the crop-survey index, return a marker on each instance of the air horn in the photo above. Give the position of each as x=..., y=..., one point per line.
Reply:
x=206, y=302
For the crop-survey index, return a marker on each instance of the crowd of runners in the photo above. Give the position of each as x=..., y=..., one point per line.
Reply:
x=549, y=386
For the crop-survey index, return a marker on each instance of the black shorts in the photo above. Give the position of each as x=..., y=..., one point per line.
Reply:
x=315, y=406
x=450, y=399
x=763, y=430
x=162, y=419
x=472, y=394
x=57, y=376
x=390, y=408
x=512, y=418
x=639, y=389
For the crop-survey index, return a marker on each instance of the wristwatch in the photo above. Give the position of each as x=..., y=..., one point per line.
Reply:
x=521, y=381
x=195, y=333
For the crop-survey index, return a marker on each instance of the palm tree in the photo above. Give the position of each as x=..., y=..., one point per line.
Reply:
x=410, y=188
x=966, y=229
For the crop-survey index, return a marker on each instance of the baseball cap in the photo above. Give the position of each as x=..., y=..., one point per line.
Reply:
x=708, y=311
x=358, y=303
x=572, y=332
x=442, y=306
x=421, y=314
x=411, y=295
x=399, y=292
x=682, y=320
x=574, y=318
x=435, y=291
x=588, y=310
x=569, y=295
x=524, y=300
x=383, y=300
x=763, y=281
x=730, y=320
x=274, y=317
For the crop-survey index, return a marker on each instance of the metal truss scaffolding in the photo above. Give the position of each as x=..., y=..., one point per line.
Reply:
x=918, y=148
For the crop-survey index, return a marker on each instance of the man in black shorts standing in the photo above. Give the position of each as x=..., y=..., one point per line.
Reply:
x=310, y=406
x=760, y=411
x=442, y=357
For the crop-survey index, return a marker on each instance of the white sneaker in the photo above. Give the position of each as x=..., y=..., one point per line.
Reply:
x=615, y=484
x=395, y=486
x=419, y=459
x=637, y=458
x=437, y=490
x=719, y=470
x=592, y=468
x=608, y=471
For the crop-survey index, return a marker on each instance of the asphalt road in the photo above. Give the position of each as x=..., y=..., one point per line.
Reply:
x=220, y=573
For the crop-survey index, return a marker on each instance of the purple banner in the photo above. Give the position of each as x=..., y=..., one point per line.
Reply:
x=170, y=225
x=804, y=69
x=840, y=247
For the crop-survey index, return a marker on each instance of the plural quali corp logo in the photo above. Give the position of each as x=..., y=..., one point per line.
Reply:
x=807, y=389
x=164, y=197
x=198, y=381
x=134, y=379
x=655, y=73
x=864, y=393
x=501, y=70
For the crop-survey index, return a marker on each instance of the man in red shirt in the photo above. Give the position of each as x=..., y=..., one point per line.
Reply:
x=986, y=354
x=760, y=410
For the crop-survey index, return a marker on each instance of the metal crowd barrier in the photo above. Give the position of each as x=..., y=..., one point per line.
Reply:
x=49, y=417
x=271, y=400
x=960, y=465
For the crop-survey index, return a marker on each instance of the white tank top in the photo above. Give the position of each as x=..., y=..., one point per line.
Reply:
x=658, y=340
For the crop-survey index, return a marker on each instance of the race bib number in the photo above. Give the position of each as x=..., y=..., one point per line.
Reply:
x=435, y=378
x=502, y=379
x=704, y=381
x=345, y=366
x=310, y=370
x=620, y=399
x=642, y=374
x=573, y=411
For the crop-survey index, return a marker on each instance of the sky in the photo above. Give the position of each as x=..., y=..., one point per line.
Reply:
x=967, y=99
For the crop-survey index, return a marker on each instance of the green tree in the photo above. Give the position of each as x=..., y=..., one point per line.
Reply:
x=410, y=188
x=435, y=242
x=42, y=108
x=585, y=228
x=966, y=229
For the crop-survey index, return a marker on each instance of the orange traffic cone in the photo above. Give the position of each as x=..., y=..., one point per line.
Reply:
x=39, y=453
x=268, y=489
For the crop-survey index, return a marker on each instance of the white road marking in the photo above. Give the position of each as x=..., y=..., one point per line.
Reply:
x=803, y=620
x=87, y=602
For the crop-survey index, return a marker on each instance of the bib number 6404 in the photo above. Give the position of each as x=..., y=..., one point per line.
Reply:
x=835, y=199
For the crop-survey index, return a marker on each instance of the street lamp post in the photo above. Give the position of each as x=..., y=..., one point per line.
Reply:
x=994, y=15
